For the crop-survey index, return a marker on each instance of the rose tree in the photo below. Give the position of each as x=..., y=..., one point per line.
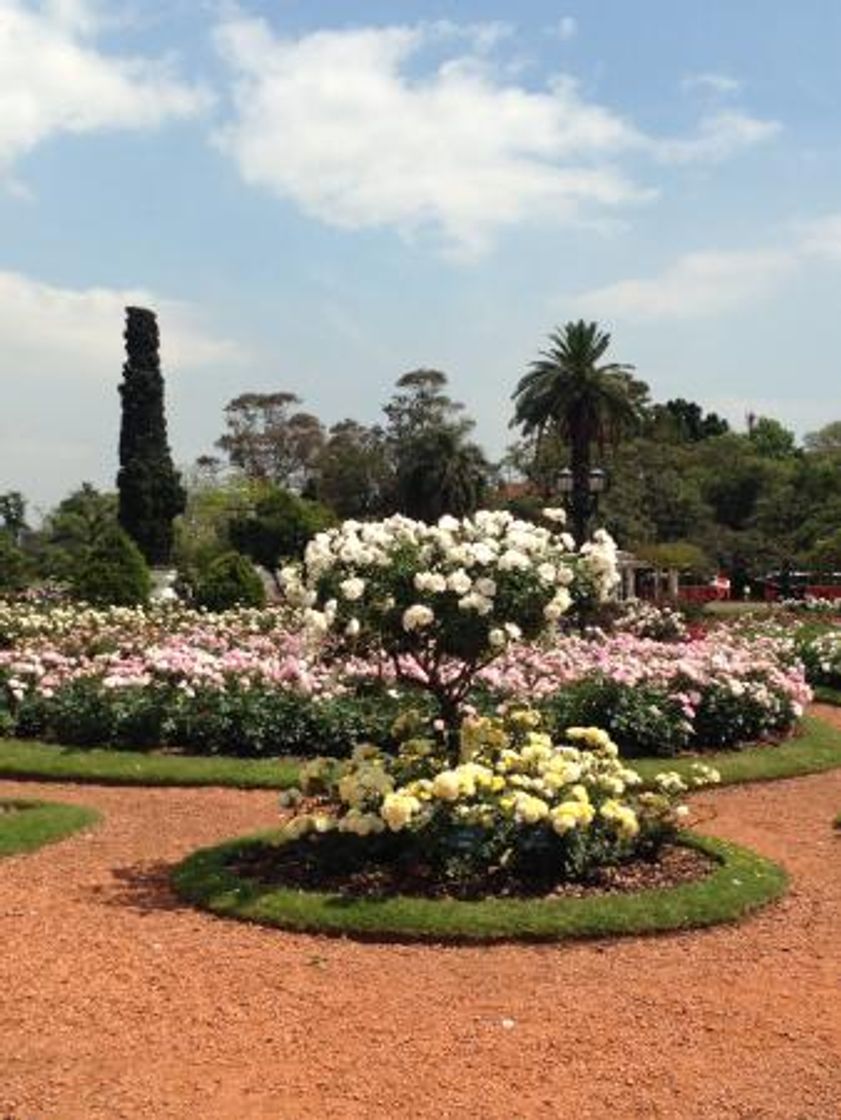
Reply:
x=442, y=601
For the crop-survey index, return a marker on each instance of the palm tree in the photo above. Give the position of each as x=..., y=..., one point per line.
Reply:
x=586, y=403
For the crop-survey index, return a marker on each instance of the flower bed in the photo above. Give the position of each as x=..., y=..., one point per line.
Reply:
x=250, y=683
x=517, y=837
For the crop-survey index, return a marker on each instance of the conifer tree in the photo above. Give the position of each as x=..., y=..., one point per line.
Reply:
x=150, y=491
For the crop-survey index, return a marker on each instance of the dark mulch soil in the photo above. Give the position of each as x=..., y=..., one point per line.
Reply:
x=308, y=866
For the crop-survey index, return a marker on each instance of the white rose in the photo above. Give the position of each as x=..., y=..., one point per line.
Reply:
x=417, y=617
x=352, y=588
x=459, y=581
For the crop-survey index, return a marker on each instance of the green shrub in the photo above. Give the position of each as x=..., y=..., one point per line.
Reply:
x=14, y=566
x=112, y=571
x=643, y=721
x=230, y=581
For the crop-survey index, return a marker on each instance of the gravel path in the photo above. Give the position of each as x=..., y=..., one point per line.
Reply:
x=117, y=1001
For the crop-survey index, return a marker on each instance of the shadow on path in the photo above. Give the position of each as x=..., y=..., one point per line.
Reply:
x=142, y=887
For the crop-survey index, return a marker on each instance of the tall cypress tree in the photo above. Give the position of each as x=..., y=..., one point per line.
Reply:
x=150, y=488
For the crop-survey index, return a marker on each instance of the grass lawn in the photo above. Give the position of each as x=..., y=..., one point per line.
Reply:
x=27, y=825
x=741, y=882
x=48, y=762
x=816, y=749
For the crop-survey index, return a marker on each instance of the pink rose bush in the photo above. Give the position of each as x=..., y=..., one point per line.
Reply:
x=383, y=617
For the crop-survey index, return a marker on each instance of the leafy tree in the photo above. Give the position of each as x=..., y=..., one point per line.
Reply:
x=436, y=468
x=353, y=473
x=438, y=472
x=15, y=569
x=771, y=440
x=71, y=530
x=825, y=441
x=202, y=532
x=684, y=421
x=231, y=581
x=279, y=528
x=586, y=403
x=422, y=404
x=150, y=492
x=683, y=555
x=112, y=572
x=269, y=441
x=13, y=514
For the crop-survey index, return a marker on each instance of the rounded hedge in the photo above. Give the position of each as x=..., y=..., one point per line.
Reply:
x=741, y=882
x=231, y=581
x=28, y=825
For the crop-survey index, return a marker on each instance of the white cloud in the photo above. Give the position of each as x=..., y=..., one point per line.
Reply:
x=821, y=237
x=63, y=353
x=719, y=136
x=720, y=84
x=694, y=286
x=77, y=333
x=359, y=128
x=53, y=79
x=335, y=122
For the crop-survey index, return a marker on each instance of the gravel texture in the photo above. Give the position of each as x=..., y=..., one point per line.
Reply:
x=117, y=1001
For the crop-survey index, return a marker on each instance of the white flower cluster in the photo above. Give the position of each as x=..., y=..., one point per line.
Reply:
x=490, y=567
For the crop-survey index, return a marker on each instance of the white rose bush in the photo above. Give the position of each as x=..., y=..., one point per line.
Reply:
x=441, y=602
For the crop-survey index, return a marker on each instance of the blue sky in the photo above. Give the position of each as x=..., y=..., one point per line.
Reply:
x=319, y=196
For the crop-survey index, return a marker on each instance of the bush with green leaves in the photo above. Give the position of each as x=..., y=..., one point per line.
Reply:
x=642, y=720
x=513, y=808
x=231, y=580
x=441, y=602
x=112, y=572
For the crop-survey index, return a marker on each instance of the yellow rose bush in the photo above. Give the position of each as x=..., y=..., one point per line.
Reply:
x=514, y=808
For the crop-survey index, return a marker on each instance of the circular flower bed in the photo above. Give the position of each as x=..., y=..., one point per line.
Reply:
x=517, y=836
x=738, y=883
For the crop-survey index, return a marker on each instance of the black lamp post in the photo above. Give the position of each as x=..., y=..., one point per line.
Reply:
x=582, y=503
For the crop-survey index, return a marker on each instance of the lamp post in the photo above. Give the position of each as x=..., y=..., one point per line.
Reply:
x=582, y=503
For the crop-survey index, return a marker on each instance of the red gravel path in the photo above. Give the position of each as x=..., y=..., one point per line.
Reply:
x=116, y=1001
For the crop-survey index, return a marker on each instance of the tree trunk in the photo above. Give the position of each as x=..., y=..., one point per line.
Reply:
x=580, y=466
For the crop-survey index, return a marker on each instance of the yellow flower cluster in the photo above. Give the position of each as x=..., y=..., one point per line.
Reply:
x=510, y=775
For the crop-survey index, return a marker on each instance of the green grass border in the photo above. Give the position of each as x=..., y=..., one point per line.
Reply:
x=817, y=748
x=825, y=694
x=53, y=763
x=39, y=823
x=741, y=883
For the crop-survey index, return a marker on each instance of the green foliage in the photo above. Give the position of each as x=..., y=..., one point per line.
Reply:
x=112, y=571
x=71, y=530
x=436, y=469
x=586, y=403
x=269, y=441
x=230, y=581
x=13, y=513
x=642, y=721
x=150, y=492
x=683, y=555
x=770, y=439
x=279, y=528
x=239, y=722
x=15, y=569
x=354, y=473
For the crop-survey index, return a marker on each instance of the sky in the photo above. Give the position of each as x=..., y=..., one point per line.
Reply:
x=318, y=196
